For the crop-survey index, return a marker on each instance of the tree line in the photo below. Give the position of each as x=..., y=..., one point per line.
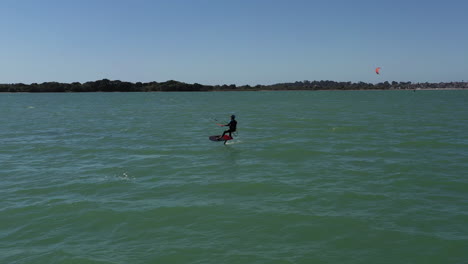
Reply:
x=106, y=85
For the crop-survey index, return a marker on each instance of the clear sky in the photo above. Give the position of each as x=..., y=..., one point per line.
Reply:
x=233, y=41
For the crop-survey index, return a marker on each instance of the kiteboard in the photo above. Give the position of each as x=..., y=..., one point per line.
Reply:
x=219, y=138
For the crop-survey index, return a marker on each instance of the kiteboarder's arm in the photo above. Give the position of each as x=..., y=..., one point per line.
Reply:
x=224, y=125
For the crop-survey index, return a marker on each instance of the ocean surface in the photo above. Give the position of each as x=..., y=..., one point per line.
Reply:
x=310, y=177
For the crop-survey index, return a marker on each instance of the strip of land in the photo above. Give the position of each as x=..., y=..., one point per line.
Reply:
x=106, y=85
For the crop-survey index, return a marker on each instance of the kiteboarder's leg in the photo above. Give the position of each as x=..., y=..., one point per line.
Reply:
x=226, y=131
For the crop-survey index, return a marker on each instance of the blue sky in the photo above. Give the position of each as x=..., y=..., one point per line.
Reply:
x=233, y=42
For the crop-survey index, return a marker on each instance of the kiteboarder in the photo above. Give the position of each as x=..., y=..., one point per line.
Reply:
x=232, y=126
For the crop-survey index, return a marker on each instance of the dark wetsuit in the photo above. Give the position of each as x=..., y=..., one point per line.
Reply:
x=232, y=127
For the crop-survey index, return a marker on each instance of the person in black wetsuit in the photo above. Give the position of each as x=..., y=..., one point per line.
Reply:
x=232, y=126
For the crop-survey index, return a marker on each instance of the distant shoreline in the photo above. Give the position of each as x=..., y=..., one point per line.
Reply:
x=106, y=85
x=253, y=90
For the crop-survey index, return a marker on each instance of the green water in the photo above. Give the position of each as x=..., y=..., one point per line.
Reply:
x=311, y=177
